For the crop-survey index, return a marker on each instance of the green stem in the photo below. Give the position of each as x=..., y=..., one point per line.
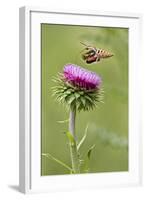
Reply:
x=73, y=146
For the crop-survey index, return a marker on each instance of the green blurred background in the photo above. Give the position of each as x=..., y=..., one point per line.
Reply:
x=108, y=124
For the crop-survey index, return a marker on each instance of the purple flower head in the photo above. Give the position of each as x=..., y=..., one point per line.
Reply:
x=80, y=77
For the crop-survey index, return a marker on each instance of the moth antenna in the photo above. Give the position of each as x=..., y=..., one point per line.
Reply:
x=84, y=44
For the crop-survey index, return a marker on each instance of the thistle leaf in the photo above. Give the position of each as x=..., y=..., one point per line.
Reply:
x=77, y=95
x=83, y=101
x=49, y=156
x=63, y=121
x=85, y=165
x=71, y=99
x=90, y=150
x=89, y=98
x=71, y=138
x=83, y=139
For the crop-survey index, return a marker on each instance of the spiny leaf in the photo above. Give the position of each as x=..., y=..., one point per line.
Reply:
x=63, y=121
x=48, y=155
x=90, y=150
x=71, y=138
x=71, y=99
x=83, y=138
x=88, y=98
x=85, y=165
x=81, y=92
x=68, y=92
x=83, y=101
x=77, y=95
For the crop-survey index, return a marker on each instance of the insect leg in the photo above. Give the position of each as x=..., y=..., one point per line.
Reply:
x=98, y=59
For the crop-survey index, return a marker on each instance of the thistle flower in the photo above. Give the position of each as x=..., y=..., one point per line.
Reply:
x=81, y=78
x=78, y=88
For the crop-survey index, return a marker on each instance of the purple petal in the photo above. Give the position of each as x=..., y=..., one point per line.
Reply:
x=81, y=77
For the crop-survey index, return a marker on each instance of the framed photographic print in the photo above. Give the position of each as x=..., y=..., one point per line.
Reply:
x=79, y=100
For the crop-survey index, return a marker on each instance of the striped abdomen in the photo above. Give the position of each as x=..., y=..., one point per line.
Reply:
x=103, y=54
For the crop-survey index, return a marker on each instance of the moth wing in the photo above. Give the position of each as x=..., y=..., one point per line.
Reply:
x=91, y=59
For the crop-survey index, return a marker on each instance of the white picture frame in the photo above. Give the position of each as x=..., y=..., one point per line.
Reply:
x=30, y=177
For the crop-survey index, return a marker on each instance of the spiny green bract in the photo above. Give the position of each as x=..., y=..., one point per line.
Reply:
x=75, y=97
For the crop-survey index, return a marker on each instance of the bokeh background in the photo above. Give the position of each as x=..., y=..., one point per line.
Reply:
x=107, y=124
